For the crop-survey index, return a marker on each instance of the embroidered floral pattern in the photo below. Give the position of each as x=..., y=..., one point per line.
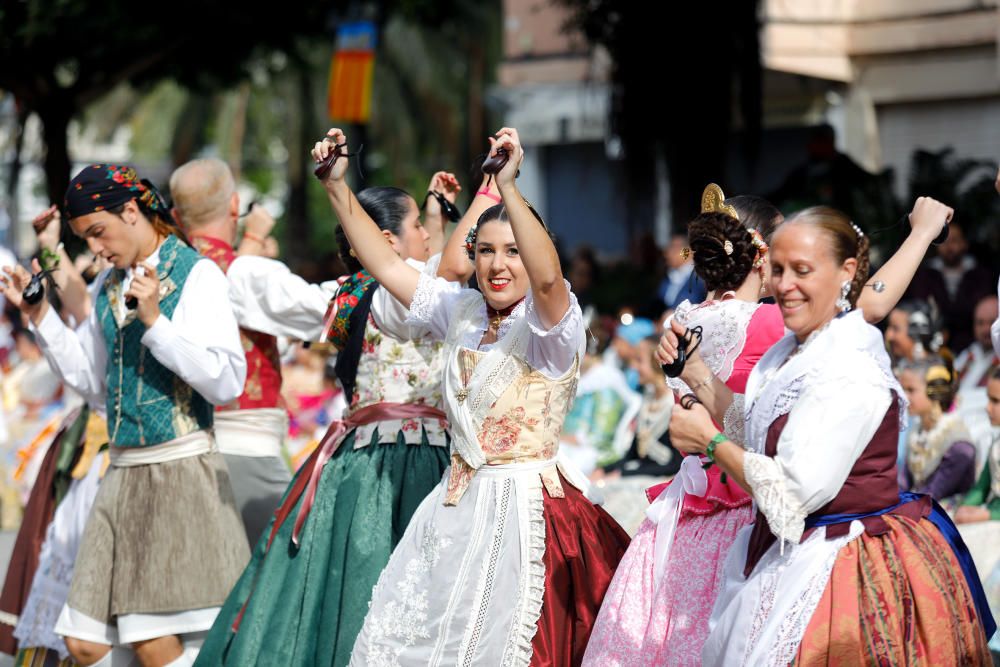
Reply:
x=338, y=315
x=390, y=371
x=499, y=435
x=405, y=619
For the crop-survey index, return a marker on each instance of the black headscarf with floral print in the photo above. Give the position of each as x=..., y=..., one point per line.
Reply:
x=102, y=187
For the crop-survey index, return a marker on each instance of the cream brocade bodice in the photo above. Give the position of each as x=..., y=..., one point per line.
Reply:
x=522, y=426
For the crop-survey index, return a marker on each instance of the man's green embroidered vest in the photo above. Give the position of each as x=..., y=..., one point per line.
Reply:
x=147, y=403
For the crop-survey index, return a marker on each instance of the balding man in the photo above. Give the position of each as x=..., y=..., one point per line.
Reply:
x=268, y=300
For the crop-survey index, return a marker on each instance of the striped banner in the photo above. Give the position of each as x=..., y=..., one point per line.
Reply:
x=349, y=89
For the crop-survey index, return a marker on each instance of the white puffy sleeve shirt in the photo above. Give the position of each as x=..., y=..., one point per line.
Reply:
x=552, y=351
x=269, y=298
x=200, y=343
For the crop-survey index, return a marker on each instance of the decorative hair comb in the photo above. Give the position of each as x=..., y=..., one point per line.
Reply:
x=713, y=201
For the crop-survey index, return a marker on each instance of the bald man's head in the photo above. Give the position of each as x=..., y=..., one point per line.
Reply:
x=203, y=191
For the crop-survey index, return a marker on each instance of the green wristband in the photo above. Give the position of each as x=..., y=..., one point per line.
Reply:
x=712, y=444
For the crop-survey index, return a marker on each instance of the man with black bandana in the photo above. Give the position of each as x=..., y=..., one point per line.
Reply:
x=164, y=543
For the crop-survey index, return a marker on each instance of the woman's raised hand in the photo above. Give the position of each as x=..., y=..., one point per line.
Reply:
x=323, y=148
x=508, y=140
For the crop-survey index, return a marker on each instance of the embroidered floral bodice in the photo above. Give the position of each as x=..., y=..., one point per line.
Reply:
x=522, y=426
x=399, y=371
x=507, y=401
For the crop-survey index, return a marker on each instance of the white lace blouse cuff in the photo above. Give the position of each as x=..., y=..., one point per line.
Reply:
x=422, y=305
x=784, y=513
x=734, y=420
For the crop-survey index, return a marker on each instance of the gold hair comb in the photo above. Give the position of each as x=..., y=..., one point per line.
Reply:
x=713, y=201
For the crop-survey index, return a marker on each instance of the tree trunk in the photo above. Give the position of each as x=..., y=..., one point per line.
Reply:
x=15, y=176
x=300, y=140
x=237, y=131
x=55, y=117
x=476, y=133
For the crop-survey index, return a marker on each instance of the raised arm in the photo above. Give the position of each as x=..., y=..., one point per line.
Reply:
x=926, y=220
x=435, y=221
x=455, y=265
x=367, y=240
x=538, y=254
x=72, y=287
x=258, y=225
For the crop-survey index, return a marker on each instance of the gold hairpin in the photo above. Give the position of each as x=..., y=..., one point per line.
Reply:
x=685, y=253
x=713, y=200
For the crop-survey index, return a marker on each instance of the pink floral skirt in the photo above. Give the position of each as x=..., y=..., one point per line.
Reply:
x=640, y=624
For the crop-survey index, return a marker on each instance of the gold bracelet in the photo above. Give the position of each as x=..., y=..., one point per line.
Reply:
x=253, y=237
x=703, y=383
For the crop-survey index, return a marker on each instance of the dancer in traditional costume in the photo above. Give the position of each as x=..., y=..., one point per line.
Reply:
x=658, y=607
x=303, y=598
x=250, y=431
x=164, y=543
x=838, y=566
x=656, y=611
x=506, y=561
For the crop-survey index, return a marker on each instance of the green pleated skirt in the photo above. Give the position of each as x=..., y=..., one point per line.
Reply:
x=307, y=603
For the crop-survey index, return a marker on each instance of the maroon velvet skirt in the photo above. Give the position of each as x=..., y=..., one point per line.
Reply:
x=583, y=545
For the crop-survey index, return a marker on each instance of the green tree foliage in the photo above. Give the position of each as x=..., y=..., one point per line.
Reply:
x=61, y=55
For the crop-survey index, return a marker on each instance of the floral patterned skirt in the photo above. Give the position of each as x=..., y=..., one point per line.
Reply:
x=642, y=624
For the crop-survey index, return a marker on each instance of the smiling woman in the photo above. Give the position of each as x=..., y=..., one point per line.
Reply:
x=479, y=576
x=809, y=288
x=834, y=540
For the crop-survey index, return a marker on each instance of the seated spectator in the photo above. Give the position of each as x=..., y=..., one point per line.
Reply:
x=940, y=457
x=982, y=502
x=974, y=367
x=651, y=452
x=597, y=429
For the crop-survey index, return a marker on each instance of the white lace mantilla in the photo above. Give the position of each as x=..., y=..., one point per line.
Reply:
x=724, y=330
x=846, y=353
